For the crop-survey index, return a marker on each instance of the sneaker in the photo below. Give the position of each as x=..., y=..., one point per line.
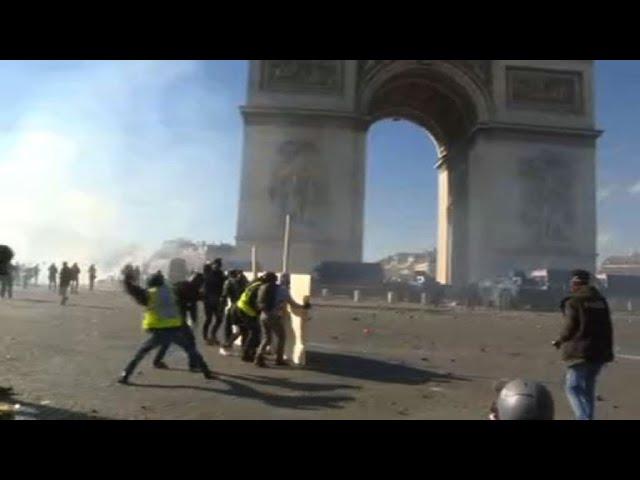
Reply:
x=161, y=365
x=260, y=363
x=123, y=379
x=225, y=352
x=195, y=369
x=209, y=376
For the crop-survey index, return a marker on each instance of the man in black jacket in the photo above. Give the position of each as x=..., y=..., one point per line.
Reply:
x=214, y=279
x=586, y=343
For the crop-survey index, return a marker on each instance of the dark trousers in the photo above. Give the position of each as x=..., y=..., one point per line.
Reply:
x=53, y=284
x=164, y=348
x=91, y=282
x=163, y=338
x=64, y=291
x=190, y=309
x=212, y=308
x=231, y=318
x=6, y=285
x=250, y=332
x=271, y=323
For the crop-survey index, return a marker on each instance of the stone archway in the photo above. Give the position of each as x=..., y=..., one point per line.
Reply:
x=509, y=134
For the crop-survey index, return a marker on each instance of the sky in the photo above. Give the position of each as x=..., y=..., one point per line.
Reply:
x=101, y=161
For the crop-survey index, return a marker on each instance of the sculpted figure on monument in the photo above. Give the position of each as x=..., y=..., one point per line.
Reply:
x=297, y=186
x=312, y=73
x=547, y=202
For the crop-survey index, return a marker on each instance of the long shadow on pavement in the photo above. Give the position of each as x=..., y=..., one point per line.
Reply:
x=287, y=384
x=293, y=402
x=369, y=369
x=36, y=411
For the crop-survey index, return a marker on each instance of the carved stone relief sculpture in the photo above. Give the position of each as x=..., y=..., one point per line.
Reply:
x=303, y=75
x=547, y=199
x=298, y=184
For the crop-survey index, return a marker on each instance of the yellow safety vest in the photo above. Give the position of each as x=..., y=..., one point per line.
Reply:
x=162, y=311
x=243, y=302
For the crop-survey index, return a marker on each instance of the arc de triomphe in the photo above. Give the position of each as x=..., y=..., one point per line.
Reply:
x=516, y=172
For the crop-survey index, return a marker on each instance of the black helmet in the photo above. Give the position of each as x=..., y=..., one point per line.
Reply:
x=155, y=280
x=525, y=400
x=270, y=277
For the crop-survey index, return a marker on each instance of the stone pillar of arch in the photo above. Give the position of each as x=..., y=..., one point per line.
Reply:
x=516, y=141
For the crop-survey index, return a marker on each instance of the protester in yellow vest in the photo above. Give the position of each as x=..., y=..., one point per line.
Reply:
x=247, y=310
x=162, y=321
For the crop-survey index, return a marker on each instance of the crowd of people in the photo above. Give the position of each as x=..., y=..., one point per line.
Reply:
x=64, y=280
x=67, y=279
x=253, y=312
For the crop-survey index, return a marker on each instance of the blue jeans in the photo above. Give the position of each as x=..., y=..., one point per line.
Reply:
x=580, y=386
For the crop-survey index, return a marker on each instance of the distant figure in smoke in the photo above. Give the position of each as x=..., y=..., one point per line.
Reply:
x=26, y=277
x=136, y=275
x=163, y=323
x=214, y=279
x=53, y=274
x=66, y=276
x=17, y=271
x=75, y=279
x=92, y=276
x=36, y=274
x=6, y=274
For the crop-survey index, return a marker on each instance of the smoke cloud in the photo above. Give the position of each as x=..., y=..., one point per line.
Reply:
x=98, y=163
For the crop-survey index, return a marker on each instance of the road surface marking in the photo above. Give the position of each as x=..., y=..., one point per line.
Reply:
x=629, y=357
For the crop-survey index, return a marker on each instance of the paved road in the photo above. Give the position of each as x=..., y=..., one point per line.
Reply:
x=363, y=364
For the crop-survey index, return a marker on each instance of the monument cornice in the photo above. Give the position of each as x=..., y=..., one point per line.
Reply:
x=256, y=115
x=533, y=128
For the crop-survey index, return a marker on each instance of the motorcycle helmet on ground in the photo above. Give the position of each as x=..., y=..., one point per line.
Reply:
x=525, y=400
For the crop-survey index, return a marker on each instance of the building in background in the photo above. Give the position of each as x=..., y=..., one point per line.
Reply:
x=407, y=266
x=621, y=265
